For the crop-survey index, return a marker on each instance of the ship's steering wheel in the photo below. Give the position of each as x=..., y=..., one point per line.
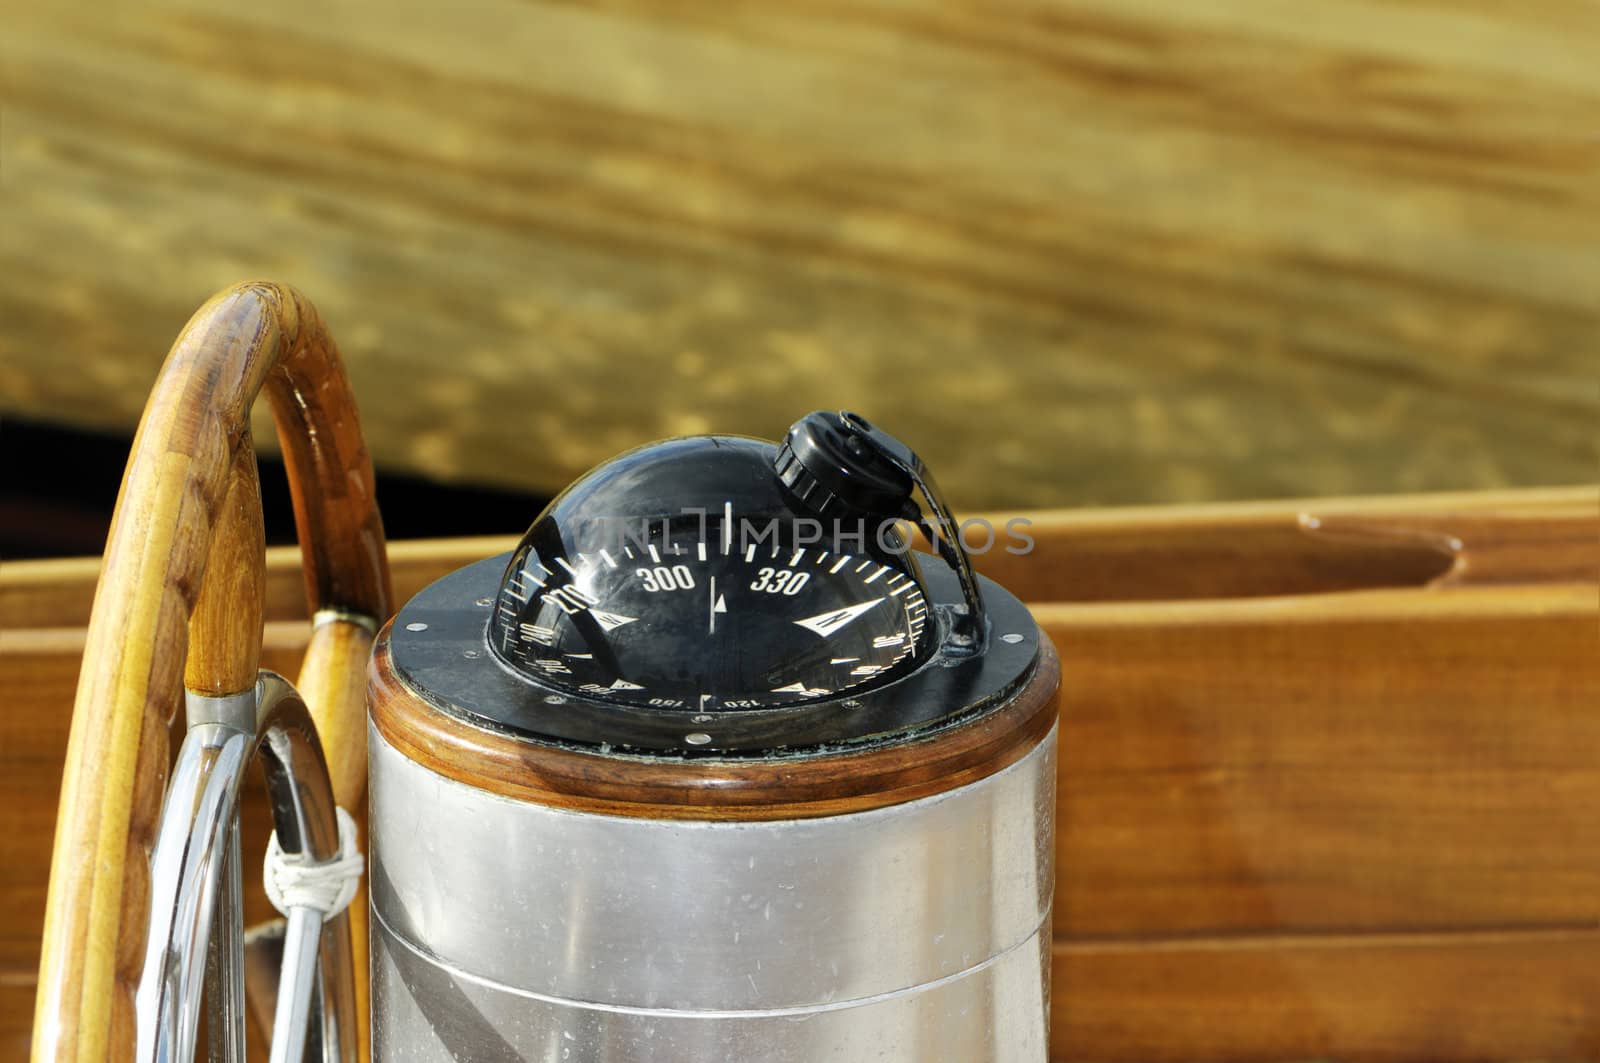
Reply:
x=178, y=619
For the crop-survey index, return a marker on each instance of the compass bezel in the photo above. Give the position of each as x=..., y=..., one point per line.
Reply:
x=440, y=649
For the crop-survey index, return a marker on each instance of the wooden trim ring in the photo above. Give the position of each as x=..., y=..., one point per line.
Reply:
x=180, y=602
x=826, y=785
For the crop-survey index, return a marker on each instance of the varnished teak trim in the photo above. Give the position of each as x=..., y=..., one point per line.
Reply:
x=708, y=788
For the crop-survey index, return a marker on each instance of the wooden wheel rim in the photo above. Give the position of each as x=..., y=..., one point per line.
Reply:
x=181, y=591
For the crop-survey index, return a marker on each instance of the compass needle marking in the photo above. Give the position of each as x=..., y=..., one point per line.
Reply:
x=610, y=621
x=719, y=604
x=803, y=690
x=826, y=624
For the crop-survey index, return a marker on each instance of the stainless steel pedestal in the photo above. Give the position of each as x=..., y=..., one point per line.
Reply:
x=506, y=930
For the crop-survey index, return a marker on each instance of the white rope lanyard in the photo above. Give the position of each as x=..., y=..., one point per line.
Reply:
x=327, y=887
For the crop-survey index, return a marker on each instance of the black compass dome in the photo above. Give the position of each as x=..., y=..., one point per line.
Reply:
x=686, y=482
x=689, y=574
x=722, y=596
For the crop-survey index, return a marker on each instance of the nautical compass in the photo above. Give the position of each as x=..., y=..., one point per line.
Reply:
x=721, y=594
x=716, y=622
x=737, y=605
x=725, y=594
x=715, y=764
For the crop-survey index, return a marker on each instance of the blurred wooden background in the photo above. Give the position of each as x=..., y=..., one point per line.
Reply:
x=1157, y=250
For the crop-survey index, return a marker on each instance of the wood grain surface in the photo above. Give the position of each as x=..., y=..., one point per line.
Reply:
x=1340, y=821
x=224, y=645
x=1154, y=250
x=1135, y=553
x=332, y=679
x=1381, y=998
x=190, y=488
x=820, y=785
x=1373, y=762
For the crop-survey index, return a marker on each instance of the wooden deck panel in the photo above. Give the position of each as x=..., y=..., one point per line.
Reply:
x=1348, y=823
x=1373, y=998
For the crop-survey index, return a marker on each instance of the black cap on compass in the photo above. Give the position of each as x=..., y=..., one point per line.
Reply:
x=828, y=466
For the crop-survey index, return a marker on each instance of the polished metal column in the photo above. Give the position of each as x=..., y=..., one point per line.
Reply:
x=509, y=930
